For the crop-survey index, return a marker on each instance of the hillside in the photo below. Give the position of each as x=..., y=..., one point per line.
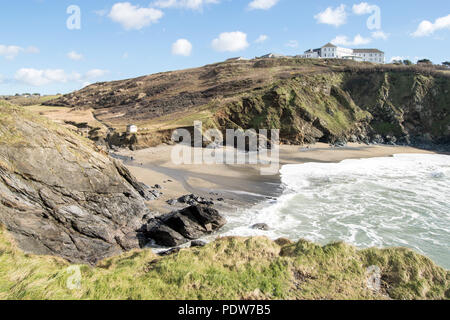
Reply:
x=229, y=268
x=309, y=100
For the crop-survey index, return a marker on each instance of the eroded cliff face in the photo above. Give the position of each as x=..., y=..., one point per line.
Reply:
x=381, y=107
x=413, y=107
x=60, y=195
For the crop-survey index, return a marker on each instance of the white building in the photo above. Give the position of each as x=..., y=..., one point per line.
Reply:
x=132, y=128
x=330, y=51
x=311, y=54
x=370, y=55
x=273, y=55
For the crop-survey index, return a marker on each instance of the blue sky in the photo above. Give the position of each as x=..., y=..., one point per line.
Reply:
x=120, y=39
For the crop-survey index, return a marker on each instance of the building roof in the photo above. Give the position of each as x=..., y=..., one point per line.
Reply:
x=329, y=44
x=236, y=59
x=273, y=55
x=367, y=51
x=312, y=50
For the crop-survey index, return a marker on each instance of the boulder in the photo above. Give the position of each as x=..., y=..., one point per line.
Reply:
x=169, y=252
x=192, y=199
x=198, y=243
x=261, y=226
x=172, y=202
x=181, y=226
x=377, y=139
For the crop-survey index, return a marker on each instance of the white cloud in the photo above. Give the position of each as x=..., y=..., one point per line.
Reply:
x=182, y=47
x=230, y=41
x=335, y=17
x=363, y=8
x=427, y=28
x=134, y=17
x=33, y=50
x=101, y=13
x=95, y=73
x=184, y=4
x=10, y=52
x=36, y=77
x=262, y=38
x=357, y=40
x=380, y=35
x=125, y=55
x=262, y=4
x=292, y=44
x=75, y=56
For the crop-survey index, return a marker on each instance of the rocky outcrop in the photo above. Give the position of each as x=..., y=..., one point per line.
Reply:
x=182, y=226
x=60, y=195
x=368, y=107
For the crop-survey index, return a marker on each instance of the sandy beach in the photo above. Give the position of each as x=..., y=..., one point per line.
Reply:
x=238, y=185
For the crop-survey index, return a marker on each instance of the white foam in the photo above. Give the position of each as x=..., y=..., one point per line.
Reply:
x=395, y=201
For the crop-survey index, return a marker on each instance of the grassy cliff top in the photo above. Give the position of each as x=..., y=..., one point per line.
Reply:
x=229, y=268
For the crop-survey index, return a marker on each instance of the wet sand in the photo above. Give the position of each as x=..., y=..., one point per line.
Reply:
x=238, y=185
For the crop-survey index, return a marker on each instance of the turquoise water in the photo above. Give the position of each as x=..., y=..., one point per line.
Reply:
x=395, y=201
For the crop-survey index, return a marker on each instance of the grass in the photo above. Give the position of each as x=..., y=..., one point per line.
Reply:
x=284, y=105
x=14, y=120
x=229, y=268
x=28, y=101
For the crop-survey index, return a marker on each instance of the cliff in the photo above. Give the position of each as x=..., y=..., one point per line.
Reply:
x=60, y=195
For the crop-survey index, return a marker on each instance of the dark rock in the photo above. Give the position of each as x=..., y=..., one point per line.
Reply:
x=261, y=226
x=172, y=202
x=353, y=138
x=340, y=142
x=154, y=194
x=377, y=139
x=186, y=198
x=391, y=140
x=220, y=199
x=198, y=243
x=164, y=236
x=157, y=186
x=169, y=252
x=181, y=226
x=192, y=199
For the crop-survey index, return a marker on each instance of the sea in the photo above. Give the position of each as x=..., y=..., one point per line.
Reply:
x=403, y=200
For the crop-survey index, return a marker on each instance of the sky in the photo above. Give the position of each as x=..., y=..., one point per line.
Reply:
x=58, y=46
